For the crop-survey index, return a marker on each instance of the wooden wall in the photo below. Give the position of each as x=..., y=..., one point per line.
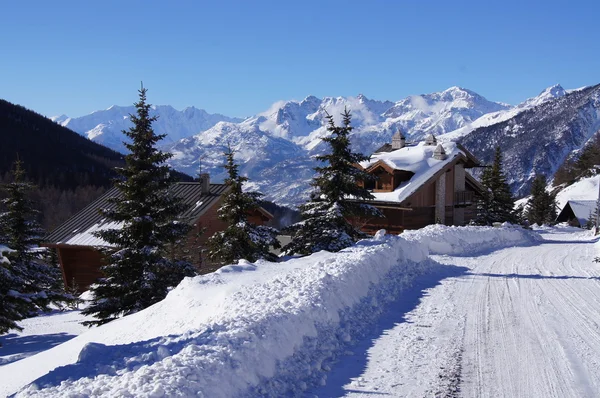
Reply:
x=80, y=263
x=83, y=263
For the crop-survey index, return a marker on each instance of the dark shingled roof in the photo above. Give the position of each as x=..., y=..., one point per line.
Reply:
x=189, y=192
x=384, y=148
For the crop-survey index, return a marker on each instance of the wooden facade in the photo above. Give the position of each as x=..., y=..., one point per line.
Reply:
x=459, y=194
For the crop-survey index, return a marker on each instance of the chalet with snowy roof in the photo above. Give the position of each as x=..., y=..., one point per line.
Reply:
x=77, y=247
x=577, y=212
x=421, y=184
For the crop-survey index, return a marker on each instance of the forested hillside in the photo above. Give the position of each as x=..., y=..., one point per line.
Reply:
x=68, y=169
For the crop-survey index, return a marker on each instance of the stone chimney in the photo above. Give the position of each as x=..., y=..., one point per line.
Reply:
x=205, y=183
x=398, y=140
x=439, y=153
x=430, y=140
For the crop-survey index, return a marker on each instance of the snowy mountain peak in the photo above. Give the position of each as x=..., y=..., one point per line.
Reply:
x=105, y=126
x=59, y=119
x=555, y=91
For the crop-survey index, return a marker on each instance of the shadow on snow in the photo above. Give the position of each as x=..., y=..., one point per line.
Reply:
x=14, y=347
x=352, y=366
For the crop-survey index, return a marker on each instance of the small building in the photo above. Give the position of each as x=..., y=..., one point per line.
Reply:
x=577, y=212
x=77, y=247
x=421, y=184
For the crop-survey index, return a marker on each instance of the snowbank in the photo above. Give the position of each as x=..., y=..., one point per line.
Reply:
x=465, y=241
x=250, y=329
x=584, y=189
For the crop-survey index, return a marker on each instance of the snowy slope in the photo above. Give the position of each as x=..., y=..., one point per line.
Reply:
x=253, y=329
x=584, y=189
x=105, y=127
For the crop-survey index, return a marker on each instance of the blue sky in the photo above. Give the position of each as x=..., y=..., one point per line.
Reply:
x=238, y=57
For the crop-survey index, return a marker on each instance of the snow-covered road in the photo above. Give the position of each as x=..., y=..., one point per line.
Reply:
x=521, y=322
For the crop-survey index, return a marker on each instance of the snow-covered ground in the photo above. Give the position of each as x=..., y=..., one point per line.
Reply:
x=442, y=311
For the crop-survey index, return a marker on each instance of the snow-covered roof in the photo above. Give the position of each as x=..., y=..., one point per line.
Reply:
x=582, y=209
x=417, y=159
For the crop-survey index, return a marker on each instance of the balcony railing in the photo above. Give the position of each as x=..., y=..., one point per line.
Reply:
x=463, y=198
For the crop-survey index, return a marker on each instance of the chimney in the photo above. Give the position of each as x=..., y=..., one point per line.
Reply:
x=430, y=140
x=398, y=140
x=439, y=153
x=205, y=183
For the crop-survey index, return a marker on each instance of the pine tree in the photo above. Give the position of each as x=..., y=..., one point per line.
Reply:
x=541, y=206
x=138, y=273
x=497, y=202
x=241, y=239
x=337, y=197
x=27, y=283
x=14, y=305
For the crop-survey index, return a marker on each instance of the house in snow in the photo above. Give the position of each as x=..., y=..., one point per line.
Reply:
x=77, y=247
x=421, y=184
x=577, y=212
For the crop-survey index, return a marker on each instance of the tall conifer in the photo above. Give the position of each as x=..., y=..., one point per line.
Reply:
x=497, y=203
x=541, y=206
x=337, y=197
x=27, y=283
x=138, y=273
x=241, y=239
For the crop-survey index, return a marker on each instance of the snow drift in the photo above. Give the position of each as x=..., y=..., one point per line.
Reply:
x=269, y=329
x=470, y=240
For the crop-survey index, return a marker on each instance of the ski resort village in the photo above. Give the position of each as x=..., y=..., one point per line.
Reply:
x=391, y=243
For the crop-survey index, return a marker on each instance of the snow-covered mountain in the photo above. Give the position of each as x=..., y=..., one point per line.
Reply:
x=105, y=127
x=539, y=139
x=491, y=118
x=276, y=148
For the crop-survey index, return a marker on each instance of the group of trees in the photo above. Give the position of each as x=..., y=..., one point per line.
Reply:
x=580, y=166
x=497, y=203
x=139, y=272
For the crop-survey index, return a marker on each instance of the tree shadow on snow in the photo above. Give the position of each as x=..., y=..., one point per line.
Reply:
x=353, y=365
x=14, y=347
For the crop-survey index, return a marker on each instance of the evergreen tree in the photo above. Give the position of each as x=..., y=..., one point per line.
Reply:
x=497, y=202
x=138, y=273
x=541, y=206
x=241, y=239
x=14, y=305
x=337, y=197
x=27, y=283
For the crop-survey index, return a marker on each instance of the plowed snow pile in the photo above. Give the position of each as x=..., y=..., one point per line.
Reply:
x=248, y=329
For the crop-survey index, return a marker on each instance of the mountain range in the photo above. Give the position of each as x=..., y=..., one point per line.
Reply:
x=276, y=148
x=105, y=127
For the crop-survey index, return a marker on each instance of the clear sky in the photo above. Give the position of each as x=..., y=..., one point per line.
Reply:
x=238, y=57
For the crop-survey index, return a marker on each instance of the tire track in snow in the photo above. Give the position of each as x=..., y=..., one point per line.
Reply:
x=531, y=325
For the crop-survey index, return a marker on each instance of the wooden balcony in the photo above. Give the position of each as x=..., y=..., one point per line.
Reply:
x=463, y=198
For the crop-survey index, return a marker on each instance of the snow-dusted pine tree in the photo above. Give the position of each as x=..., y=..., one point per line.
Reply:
x=497, y=203
x=541, y=206
x=138, y=272
x=337, y=197
x=27, y=283
x=241, y=239
x=14, y=305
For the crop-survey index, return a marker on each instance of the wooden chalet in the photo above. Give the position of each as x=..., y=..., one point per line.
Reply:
x=77, y=247
x=421, y=184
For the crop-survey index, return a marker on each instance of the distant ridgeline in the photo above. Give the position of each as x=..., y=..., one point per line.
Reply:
x=69, y=169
